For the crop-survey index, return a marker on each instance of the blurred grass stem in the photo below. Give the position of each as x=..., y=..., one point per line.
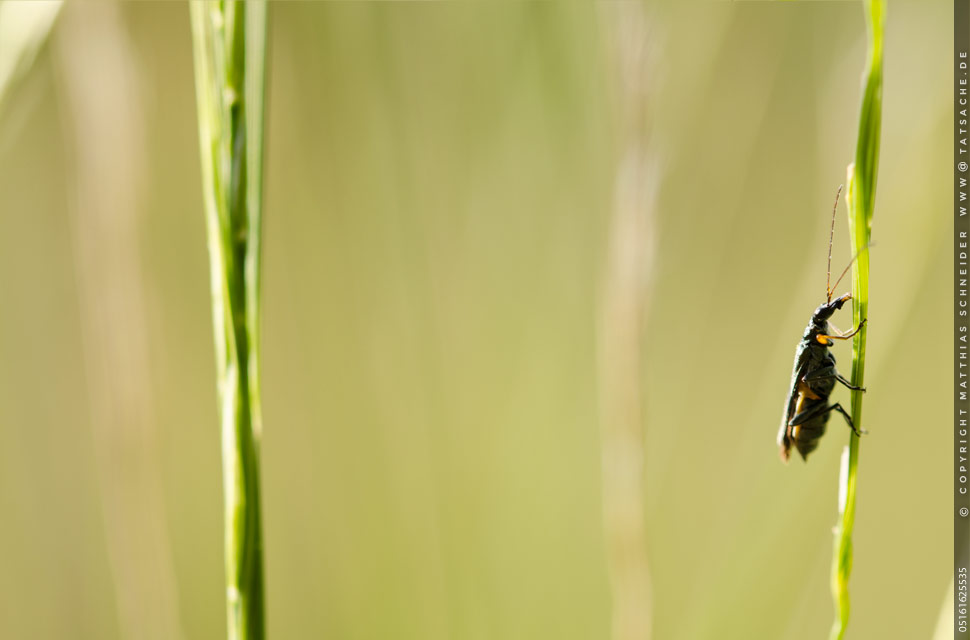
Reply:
x=106, y=110
x=24, y=28
x=623, y=303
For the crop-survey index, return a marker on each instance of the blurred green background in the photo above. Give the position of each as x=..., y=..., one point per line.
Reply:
x=439, y=195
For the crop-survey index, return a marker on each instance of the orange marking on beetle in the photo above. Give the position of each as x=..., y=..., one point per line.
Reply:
x=806, y=391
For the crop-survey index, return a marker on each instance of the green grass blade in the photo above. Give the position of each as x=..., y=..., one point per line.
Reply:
x=860, y=199
x=229, y=48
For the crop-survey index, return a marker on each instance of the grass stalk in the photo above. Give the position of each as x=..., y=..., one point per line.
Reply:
x=229, y=48
x=624, y=300
x=860, y=199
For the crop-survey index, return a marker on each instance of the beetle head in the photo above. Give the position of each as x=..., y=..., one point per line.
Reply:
x=828, y=309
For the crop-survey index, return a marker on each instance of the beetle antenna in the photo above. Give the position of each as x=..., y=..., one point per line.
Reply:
x=851, y=262
x=828, y=274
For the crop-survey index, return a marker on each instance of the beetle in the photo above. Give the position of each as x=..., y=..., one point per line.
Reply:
x=814, y=374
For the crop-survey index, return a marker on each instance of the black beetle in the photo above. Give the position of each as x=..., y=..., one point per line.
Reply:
x=814, y=375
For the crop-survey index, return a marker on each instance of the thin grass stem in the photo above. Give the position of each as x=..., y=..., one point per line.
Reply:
x=860, y=200
x=229, y=49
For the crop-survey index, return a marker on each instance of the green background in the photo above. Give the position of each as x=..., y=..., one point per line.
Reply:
x=438, y=193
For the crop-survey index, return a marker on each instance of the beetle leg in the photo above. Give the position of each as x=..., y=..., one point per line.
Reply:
x=814, y=412
x=845, y=415
x=843, y=336
x=826, y=373
x=822, y=337
x=822, y=373
x=848, y=384
x=805, y=416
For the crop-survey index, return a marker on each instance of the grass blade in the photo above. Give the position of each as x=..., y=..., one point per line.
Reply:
x=229, y=48
x=861, y=198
